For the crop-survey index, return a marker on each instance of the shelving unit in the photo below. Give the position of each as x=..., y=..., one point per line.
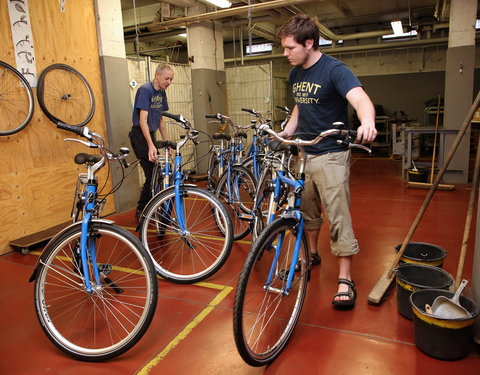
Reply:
x=383, y=139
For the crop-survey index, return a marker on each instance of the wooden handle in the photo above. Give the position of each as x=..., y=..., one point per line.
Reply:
x=468, y=220
x=428, y=198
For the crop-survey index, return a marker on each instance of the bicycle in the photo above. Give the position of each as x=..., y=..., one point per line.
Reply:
x=95, y=285
x=162, y=170
x=65, y=96
x=16, y=100
x=271, y=193
x=236, y=186
x=187, y=230
x=270, y=292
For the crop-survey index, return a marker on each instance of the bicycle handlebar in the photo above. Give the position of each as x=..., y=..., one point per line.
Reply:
x=319, y=138
x=178, y=118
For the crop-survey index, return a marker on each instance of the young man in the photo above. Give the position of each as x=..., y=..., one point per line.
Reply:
x=150, y=103
x=322, y=88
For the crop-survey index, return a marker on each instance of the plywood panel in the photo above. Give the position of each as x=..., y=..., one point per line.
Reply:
x=38, y=175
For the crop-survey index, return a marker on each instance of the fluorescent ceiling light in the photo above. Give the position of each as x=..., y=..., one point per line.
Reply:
x=219, y=3
x=183, y=35
x=327, y=42
x=397, y=27
x=259, y=48
x=403, y=35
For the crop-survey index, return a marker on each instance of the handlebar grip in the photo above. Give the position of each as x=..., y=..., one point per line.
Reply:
x=172, y=116
x=211, y=116
x=249, y=111
x=72, y=128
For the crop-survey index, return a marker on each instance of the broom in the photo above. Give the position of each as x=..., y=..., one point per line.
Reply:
x=383, y=285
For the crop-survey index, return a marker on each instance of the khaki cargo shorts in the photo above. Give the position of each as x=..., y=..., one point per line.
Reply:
x=327, y=187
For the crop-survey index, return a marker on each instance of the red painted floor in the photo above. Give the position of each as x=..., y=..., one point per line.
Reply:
x=192, y=329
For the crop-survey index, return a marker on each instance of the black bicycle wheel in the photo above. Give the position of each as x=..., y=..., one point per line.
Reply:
x=16, y=100
x=111, y=319
x=237, y=194
x=265, y=314
x=65, y=96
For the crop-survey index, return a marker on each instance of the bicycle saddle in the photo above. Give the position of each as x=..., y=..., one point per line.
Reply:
x=83, y=158
x=276, y=145
x=162, y=144
x=221, y=136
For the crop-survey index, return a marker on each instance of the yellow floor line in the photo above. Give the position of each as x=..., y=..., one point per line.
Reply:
x=182, y=335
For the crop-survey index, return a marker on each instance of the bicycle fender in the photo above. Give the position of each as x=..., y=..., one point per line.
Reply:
x=54, y=238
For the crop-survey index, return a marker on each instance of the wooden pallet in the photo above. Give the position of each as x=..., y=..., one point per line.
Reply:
x=23, y=244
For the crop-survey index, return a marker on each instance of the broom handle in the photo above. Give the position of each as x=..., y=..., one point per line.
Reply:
x=428, y=198
x=432, y=172
x=468, y=220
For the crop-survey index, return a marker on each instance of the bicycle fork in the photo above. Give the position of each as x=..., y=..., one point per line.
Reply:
x=274, y=267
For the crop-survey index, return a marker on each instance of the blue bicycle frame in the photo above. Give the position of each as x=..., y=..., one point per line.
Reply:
x=87, y=242
x=297, y=185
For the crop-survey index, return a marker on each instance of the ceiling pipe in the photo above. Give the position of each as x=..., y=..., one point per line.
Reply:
x=363, y=48
x=223, y=13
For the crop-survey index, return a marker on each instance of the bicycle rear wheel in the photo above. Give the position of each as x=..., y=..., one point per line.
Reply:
x=16, y=100
x=237, y=194
x=199, y=252
x=263, y=317
x=107, y=322
x=65, y=96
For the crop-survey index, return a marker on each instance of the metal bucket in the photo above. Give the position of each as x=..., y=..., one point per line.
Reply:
x=448, y=339
x=413, y=277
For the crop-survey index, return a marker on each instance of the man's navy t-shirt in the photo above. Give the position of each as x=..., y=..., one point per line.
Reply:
x=150, y=100
x=320, y=95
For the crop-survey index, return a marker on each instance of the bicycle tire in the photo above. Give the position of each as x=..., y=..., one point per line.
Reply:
x=213, y=170
x=16, y=100
x=157, y=184
x=190, y=258
x=240, y=202
x=261, y=331
x=109, y=321
x=263, y=192
x=65, y=96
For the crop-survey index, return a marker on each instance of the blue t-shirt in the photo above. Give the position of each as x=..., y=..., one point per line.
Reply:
x=150, y=100
x=320, y=95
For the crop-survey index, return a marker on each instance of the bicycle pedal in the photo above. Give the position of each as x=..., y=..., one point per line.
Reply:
x=246, y=217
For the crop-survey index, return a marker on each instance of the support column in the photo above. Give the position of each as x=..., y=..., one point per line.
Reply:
x=116, y=93
x=460, y=65
x=205, y=53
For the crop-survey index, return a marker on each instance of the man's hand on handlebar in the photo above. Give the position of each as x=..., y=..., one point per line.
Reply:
x=366, y=134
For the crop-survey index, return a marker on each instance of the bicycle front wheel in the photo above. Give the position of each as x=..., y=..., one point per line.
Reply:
x=16, y=100
x=200, y=249
x=265, y=314
x=108, y=321
x=65, y=96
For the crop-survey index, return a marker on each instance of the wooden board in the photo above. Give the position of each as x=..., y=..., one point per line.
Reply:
x=37, y=174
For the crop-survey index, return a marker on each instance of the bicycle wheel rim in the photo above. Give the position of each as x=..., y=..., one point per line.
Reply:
x=198, y=254
x=16, y=100
x=264, y=320
x=107, y=322
x=65, y=96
